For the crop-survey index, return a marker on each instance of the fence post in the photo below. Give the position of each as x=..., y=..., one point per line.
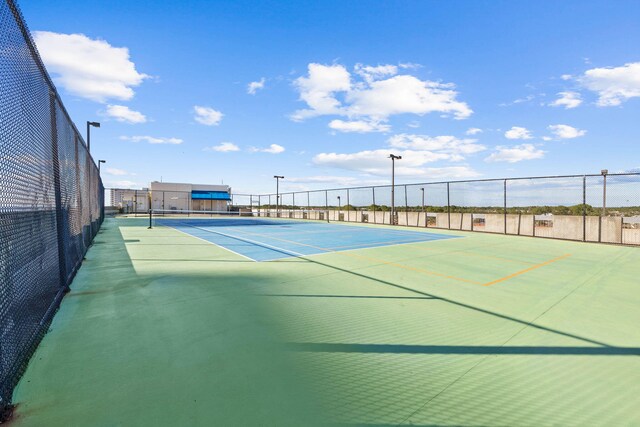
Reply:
x=406, y=207
x=584, y=208
x=373, y=189
x=349, y=208
x=326, y=203
x=505, y=206
x=60, y=217
x=448, y=207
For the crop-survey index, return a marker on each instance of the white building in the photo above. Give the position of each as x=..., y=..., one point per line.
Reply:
x=130, y=200
x=183, y=196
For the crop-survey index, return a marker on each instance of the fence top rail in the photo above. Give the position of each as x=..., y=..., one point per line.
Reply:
x=408, y=184
x=457, y=182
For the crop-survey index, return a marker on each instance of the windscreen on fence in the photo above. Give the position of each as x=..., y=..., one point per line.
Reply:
x=51, y=199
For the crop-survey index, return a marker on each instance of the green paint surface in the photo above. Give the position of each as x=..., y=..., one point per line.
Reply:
x=161, y=328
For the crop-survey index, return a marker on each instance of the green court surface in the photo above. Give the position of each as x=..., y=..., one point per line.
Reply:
x=165, y=328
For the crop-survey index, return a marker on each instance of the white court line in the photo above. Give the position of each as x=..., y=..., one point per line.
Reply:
x=211, y=243
x=253, y=242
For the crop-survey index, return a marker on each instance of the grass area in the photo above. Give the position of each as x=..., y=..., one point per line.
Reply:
x=163, y=328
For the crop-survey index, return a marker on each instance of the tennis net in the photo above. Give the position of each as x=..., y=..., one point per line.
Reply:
x=170, y=217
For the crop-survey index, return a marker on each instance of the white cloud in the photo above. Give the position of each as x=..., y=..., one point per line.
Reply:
x=207, y=115
x=117, y=172
x=223, y=147
x=566, y=77
x=152, y=140
x=473, y=131
x=121, y=184
x=359, y=126
x=319, y=88
x=376, y=162
x=566, y=131
x=405, y=94
x=517, y=132
x=370, y=73
x=613, y=84
x=88, y=68
x=272, y=149
x=122, y=113
x=253, y=87
x=379, y=93
x=567, y=100
x=516, y=153
x=337, y=180
x=444, y=144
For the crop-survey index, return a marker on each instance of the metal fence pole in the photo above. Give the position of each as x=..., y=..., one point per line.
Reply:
x=406, y=207
x=326, y=203
x=448, y=207
x=584, y=208
x=505, y=206
x=374, y=204
x=62, y=259
x=348, y=208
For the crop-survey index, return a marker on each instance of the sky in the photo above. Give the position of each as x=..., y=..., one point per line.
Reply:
x=322, y=92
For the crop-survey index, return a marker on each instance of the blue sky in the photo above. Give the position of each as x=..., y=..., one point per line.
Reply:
x=460, y=89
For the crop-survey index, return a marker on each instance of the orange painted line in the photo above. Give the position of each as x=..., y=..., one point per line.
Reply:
x=526, y=270
x=406, y=267
x=466, y=253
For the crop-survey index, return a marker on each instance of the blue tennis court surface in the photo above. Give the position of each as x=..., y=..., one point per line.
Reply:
x=268, y=240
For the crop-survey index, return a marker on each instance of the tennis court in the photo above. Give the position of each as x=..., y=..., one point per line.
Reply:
x=276, y=239
x=339, y=324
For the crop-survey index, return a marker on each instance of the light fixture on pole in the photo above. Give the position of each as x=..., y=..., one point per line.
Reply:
x=393, y=158
x=278, y=178
x=89, y=124
x=100, y=161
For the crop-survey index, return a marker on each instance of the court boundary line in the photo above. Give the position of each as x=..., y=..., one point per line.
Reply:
x=405, y=267
x=211, y=243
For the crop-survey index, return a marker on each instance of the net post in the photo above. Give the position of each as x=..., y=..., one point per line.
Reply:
x=150, y=220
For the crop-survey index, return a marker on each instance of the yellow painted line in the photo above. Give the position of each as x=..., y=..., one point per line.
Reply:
x=463, y=252
x=404, y=267
x=502, y=279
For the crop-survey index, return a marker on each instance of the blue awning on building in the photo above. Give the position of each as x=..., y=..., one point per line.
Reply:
x=210, y=195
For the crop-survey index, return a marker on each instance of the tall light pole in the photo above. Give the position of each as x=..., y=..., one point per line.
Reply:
x=89, y=124
x=393, y=158
x=604, y=173
x=278, y=178
x=100, y=161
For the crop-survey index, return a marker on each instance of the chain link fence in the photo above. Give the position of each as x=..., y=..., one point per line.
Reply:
x=51, y=199
x=590, y=208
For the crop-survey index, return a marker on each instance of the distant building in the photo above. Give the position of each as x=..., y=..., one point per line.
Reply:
x=183, y=196
x=130, y=200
